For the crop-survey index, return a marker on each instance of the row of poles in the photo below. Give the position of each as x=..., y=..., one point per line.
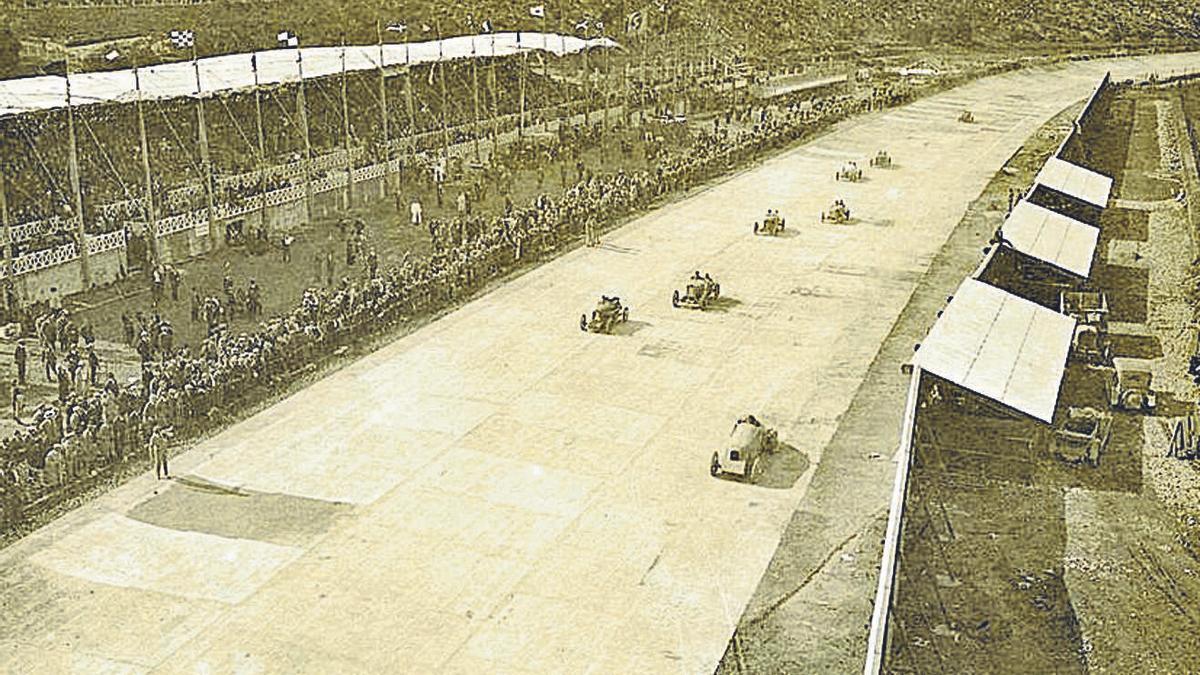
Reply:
x=74, y=173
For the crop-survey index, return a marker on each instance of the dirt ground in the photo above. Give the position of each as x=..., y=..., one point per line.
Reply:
x=1013, y=562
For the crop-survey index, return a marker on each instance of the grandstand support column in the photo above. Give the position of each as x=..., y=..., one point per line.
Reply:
x=441, y=66
x=262, y=142
x=348, y=193
x=475, y=96
x=147, y=176
x=495, y=114
x=412, y=109
x=205, y=159
x=6, y=224
x=76, y=187
x=521, y=82
x=302, y=111
x=390, y=183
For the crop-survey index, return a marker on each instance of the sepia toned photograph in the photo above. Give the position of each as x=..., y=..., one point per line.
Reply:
x=599, y=337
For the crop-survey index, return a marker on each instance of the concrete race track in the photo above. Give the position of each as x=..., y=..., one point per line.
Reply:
x=499, y=492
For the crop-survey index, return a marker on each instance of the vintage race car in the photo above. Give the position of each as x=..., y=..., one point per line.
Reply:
x=771, y=225
x=966, y=117
x=838, y=213
x=701, y=291
x=882, y=160
x=743, y=453
x=1131, y=387
x=850, y=171
x=608, y=313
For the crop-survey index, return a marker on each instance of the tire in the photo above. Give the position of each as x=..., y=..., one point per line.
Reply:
x=625, y=314
x=714, y=467
x=752, y=470
x=716, y=291
x=675, y=299
x=755, y=228
x=583, y=322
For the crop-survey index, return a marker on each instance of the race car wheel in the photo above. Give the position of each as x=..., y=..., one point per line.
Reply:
x=715, y=467
x=675, y=299
x=716, y=290
x=751, y=470
x=756, y=227
x=583, y=322
x=625, y=314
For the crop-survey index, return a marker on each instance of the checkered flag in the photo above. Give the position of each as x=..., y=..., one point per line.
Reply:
x=288, y=39
x=182, y=39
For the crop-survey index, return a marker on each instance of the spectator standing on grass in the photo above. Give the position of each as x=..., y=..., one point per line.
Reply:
x=416, y=212
x=127, y=328
x=20, y=358
x=50, y=361
x=285, y=246
x=195, y=310
x=174, y=277
x=18, y=401
x=158, y=452
x=461, y=204
x=93, y=364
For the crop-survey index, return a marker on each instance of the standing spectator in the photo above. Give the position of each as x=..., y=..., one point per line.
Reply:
x=18, y=401
x=50, y=361
x=174, y=277
x=416, y=212
x=158, y=451
x=285, y=246
x=93, y=364
x=127, y=328
x=461, y=204
x=195, y=311
x=20, y=357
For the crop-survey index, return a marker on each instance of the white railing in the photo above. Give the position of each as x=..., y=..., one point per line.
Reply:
x=179, y=223
x=38, y=260
x=285, y=195
x=108, y=241
x=368, y=172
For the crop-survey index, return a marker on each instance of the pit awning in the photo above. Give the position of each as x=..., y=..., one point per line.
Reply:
x=1000, y=346
x=1062, y=241
x=1076, y=181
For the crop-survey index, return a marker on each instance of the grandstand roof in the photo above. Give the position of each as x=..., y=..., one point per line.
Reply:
x=1000, y=346
x=1052, y=237
x=1076, y=181
x=232, y=72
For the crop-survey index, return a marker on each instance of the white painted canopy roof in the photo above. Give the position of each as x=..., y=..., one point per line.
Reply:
x=1074, y=180
x=1001, y=346
x=1049, y=236
x=234, y=71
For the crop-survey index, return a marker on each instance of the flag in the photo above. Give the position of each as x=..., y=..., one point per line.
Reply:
x=182, y=39
x=582, y=25
x=112, y=55
x=539, y=11
x=397, y=27
x=486, y=26
x=426, y=27
x=288, y=39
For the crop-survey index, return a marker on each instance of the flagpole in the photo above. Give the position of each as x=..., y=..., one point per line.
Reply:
x=302, y=105
x=73, y=175
x=262, y=141
x=348, y=193
x=147, y=176
x=202, y=131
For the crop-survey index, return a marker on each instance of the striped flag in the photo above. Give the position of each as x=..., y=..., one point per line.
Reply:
x=288, y=39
